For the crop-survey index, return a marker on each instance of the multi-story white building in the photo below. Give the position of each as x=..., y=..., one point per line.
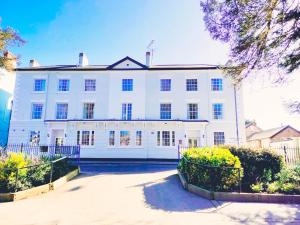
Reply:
x=126, y=109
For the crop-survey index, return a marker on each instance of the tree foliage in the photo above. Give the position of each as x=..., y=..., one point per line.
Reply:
x=8, y=38
x=261, y=33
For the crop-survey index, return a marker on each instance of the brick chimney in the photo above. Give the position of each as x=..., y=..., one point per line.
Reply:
x=11, y=60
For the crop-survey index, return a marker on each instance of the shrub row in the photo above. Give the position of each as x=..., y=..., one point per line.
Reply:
x=211, y=168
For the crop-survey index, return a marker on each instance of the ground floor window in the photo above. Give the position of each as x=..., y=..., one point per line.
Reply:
x=124, y=138
x=138, y=140
x=111, y=140
x=34, y=137
x=219, y=138
x=166, y=138
x=86, y=138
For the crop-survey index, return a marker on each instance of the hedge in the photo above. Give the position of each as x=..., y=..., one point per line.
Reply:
x=211, y=168
x=258, y=165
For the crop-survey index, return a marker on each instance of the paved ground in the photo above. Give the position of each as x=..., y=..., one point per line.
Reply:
x=136, y=195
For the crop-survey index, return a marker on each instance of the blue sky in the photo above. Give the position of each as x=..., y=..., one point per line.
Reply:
x=107, y=30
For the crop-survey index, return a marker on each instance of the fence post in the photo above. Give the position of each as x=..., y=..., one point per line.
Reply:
x=17, y=177
x=285, y=154
x=51, y=173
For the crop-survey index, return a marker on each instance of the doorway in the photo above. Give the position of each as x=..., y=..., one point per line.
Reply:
x=193, y=142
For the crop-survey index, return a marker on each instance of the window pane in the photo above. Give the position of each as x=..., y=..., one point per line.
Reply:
x=63, y=85
x=93, y=138
x=78, y=137
x=126, y=111
x=158, y=138
x=165, y=111
x=111, y=138
x=39, y=85
x=124, y=138
x=88, y=110
x=61, y=111
x=191, y=85
x=90, y=85
x=219, y=138
x=139, y=138
x=218, y=111
x=193, y=111
x=127, y=84
x=165, y=84
x=216, y=84
x=173, y=138
x=37, y=110
x=166, y=138
x=85, y=138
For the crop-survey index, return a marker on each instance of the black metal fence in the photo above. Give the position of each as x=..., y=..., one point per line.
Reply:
x=290, y=154
x=35, y=175
x=50, y=151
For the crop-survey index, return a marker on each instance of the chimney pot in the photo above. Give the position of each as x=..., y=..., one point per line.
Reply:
x=83, y=59
x=33, y=63
x=148, y=58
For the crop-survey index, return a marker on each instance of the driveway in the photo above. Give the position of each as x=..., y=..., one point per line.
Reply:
x=136, y=194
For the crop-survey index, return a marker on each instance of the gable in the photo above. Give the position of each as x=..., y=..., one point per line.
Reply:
x=288, y=132
x=127, y=63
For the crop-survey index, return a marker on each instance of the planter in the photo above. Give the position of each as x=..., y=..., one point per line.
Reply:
x=9, y=197
x=239, y=197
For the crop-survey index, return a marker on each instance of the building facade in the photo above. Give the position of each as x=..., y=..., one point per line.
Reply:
x=127, y=109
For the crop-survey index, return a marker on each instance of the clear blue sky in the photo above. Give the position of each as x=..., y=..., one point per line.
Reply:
x=108, y=30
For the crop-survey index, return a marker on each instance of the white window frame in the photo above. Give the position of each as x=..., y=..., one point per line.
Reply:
x=189, y=112
x=59, y=89
x=42, y=112
x=214, y=112
x=160, y=139
x=188, y=86
x=90, y=85
x=219, y=133
x=34, y=85
x=88, y=111
x=56, y=111
x=91, y=138
x=121, y=141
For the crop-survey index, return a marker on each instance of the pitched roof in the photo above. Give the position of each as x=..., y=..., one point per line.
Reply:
x=269, y=133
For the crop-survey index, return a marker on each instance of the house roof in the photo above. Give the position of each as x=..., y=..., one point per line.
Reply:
x=114, y=67
x=269, y=133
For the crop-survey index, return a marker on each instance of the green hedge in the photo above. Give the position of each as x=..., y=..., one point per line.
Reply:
x=211, y=168
x=258, y=165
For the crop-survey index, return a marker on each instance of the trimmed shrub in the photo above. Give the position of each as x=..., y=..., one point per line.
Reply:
x=260, y=166
x=211, y=168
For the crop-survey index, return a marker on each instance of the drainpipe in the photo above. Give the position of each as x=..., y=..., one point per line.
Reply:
x=236, y=115
x=46, y=103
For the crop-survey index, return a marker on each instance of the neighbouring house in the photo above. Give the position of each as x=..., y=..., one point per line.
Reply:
x=275, y=137
x=126, y=109
x=7, y=83
x=251, y=128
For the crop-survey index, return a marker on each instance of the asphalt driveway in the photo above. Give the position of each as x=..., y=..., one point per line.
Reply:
x=136, y=194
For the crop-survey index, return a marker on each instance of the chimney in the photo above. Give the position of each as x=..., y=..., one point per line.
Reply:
x=33, y=63
x=148, y=59
x=83, y=60
x=11, y=62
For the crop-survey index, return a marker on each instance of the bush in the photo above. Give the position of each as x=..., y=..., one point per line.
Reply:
x=258, y=165
x=211, y=168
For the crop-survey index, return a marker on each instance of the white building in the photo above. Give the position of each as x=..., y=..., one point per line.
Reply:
x=126, y=109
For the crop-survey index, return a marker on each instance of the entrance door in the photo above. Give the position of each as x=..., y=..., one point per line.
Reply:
x=59, y=141
x=194, y=142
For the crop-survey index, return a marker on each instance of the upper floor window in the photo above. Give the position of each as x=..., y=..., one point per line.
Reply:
x=63, y=85
x=216, y=84
x=165, y=85
x=127, y=84
x=124, y=138
x=126, y=111
x=191, y=84
x=192, y=111
x=39, y=85
x=61, y=111
x=165, y=111
x=217, y=111
x=37, y=111
x=90, y=85
x=219, y=138
x=88, y=110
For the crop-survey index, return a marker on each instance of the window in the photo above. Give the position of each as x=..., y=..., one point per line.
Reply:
x=34, y=137
x=61, y=111
x=158, y=138
x=127, y=84
x=165, y=85
x=124, y=138
x=217, y=111
x=63, y=85
x=93, y=138
x=111, y=138
x=191, y=85
x=216, y=84
x=88, y=110
x=37, y=111
x=85, y=138
x=219, y=138
x=90, y=85
x=138, y=140
x=39, y=85
x=166, y=138
x=126, y=111
x=173, y=138
x=165, y=111
x=78, y=137
x=192, y=111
